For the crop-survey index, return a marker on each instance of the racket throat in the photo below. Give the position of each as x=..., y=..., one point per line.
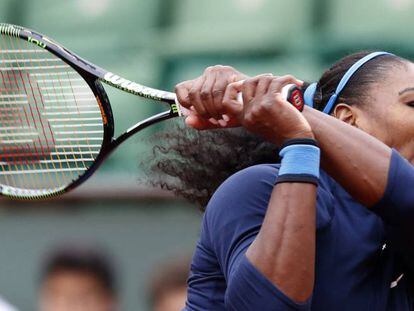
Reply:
x=136, y=88
x=140, y=126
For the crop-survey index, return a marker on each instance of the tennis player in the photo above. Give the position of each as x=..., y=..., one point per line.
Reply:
x=292, y=236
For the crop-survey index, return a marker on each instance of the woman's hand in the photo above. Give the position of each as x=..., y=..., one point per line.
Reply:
x=212, y=101
x=264, y=111
x=203, y=98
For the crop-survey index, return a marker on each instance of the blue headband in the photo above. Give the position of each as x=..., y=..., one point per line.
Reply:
x=311, y=89
x=309, y=94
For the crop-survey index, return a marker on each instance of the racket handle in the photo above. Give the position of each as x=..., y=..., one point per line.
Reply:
x=295, y=97
x=291, y=92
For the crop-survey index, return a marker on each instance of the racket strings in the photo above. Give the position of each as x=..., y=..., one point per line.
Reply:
x=41, y=148
x=51, y=128
x=18, y=156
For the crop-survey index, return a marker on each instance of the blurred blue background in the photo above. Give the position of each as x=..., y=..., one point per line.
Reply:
x=160, y=43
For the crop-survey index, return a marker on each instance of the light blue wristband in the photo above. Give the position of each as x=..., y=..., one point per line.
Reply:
x=299, y=163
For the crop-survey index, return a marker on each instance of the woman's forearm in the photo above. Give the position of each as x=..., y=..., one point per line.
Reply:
x=284, y=249
x=358, y=161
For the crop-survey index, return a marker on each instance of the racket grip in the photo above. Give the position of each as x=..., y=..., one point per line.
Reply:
x=295, y=97
x=291, y=92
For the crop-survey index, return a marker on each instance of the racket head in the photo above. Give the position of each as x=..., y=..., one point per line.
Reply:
x=56, y=123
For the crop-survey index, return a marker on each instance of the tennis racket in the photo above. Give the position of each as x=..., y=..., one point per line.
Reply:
x=56, y=123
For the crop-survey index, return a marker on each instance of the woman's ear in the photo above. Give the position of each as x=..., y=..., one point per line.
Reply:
x=345, y=113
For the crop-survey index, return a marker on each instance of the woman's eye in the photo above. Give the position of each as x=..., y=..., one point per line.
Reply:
x=411, y=104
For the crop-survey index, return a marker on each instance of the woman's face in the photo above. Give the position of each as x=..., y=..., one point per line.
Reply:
x=389, y=115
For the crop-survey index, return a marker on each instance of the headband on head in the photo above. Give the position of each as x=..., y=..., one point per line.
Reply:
x=311, y=89
x=309, y=94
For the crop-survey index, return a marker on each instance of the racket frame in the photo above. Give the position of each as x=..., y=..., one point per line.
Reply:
x=94, y=76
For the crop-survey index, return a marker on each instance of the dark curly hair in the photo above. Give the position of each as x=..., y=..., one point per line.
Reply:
x=192, y=164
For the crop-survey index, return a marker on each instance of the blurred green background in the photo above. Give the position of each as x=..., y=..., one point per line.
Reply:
x=160, y=43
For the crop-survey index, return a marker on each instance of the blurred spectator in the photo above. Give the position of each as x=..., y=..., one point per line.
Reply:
x=77, y=278
x=168, y=285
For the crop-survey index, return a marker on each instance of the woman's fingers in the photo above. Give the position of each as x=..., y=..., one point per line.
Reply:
x=277, y=84
x=197, y=122
x=181, y=90
x=231, y=102
x=250, y=87
x=217, y=92
x=267, y=113
x=263, y=85
x=195, y=97
x=206, y=94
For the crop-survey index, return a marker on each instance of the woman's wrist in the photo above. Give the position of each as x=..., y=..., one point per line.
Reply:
x=298, y=135
x=300, y=161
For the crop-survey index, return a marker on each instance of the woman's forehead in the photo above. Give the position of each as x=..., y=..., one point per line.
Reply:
x=398, y=78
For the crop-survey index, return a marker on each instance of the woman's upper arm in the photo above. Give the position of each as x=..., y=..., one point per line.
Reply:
x=396, y=208
x=398, y=200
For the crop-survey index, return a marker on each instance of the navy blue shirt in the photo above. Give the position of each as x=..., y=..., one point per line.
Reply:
x=363, y=255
